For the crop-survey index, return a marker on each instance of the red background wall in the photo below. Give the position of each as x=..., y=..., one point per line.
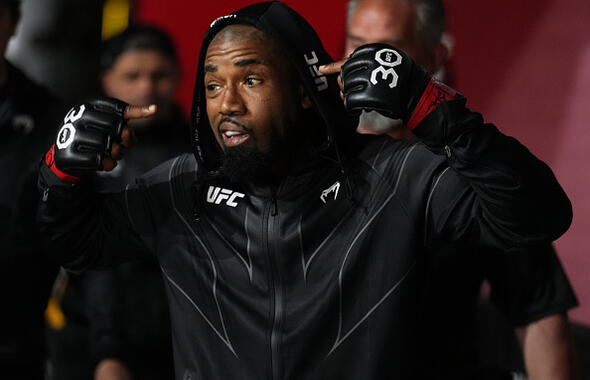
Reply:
x=525, y=65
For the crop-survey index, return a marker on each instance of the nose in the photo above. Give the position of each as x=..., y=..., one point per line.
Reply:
x=232, y=102
x=145, y=89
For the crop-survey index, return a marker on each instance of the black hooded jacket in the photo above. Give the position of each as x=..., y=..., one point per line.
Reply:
x=321, y=276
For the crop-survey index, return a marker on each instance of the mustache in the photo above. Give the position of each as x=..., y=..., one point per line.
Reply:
x=229, y=119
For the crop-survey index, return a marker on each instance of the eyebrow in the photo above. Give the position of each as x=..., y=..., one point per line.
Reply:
x=247, y=62
x=386, y=41
x=241, y=63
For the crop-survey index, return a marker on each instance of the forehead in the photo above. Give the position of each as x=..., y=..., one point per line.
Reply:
x=141, y=57
x=384, y=20
x=236, y=40
x=240, y=32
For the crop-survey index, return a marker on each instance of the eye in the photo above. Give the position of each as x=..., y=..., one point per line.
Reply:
x=252, y=81
x=160, y=75
x=131, y=76
x=211, y=87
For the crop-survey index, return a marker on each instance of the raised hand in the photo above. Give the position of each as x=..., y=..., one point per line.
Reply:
x=93, y=136
x=381, y=78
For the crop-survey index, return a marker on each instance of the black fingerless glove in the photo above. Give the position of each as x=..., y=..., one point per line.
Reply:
x=378, y=77
x=85, y=137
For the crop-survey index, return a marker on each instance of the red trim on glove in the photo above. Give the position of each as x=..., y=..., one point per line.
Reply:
x=50, y=162
x=435, y=93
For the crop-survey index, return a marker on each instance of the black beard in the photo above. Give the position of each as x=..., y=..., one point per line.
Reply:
x=247, y=164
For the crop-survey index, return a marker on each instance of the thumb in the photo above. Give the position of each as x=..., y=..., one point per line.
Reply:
x=331, y=68
x=139, y=112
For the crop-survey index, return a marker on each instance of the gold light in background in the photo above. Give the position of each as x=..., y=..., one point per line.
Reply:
x=115, y=17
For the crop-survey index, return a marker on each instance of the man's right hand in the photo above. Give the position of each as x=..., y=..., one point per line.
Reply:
x=93, y=137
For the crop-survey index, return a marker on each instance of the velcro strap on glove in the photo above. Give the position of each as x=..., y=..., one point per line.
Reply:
x=50, y=162
x=436, y=93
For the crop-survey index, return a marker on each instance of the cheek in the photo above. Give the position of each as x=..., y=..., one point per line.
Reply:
x=279, y=117
x=120, y=91
x=211, y=110
x=166, y=89
x=417, y=55
x=123, y=89
x=211, y=113
x=348, y=49
x=264, y=110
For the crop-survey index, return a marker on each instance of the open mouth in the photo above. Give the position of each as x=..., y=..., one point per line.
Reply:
x=234, y=138
x=233, y=134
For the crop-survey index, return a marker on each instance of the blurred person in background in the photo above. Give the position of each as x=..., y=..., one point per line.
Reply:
x=530, y=290
x=28, y=115
x=117, y=322
x=58, y=43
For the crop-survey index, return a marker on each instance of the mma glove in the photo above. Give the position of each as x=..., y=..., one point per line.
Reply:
x=85, y=137
x=378, y=77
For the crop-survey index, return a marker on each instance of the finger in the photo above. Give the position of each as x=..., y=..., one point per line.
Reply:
x=128, y=137
x=331, y=68
x=339, y=80
x=139, y=112
x=107, y=164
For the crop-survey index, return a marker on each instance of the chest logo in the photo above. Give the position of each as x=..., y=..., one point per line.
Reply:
x=332, y=189
x=217, y=195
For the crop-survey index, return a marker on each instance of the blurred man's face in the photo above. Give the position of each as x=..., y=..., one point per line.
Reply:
x=253, y=103
x=392, y=22
x=388, y=21
x=142, y=77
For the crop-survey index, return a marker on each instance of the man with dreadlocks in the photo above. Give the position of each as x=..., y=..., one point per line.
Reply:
x=292, y=247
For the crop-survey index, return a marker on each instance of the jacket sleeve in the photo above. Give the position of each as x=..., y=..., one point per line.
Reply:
x=84, y=229
x=104, y=308
x=529, y=286
x=496, y=192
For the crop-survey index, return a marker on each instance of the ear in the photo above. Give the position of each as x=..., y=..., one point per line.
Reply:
x=305, y=100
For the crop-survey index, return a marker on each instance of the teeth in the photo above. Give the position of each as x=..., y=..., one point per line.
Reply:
x=232, y=133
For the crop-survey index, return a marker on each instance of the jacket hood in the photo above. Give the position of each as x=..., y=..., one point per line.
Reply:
x=302, y=46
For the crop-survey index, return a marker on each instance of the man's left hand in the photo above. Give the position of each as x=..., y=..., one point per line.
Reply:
x=381, y=78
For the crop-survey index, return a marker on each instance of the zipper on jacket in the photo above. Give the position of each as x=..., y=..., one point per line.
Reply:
x=275, y=287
